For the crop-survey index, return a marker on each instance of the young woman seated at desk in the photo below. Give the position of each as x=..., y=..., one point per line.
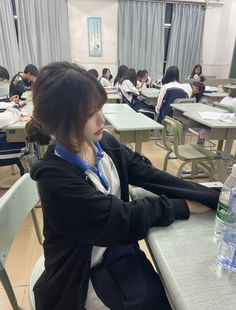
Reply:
x=92, y=259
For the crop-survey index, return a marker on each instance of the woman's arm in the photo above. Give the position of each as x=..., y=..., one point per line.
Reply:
x=9, y=116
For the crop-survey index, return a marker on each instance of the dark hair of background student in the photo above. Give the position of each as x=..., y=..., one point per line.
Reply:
x=171, y=75
x=200, y=86
x=94, y=73
x=4, y=74
x=232, y=94
x=194, y=69
x=56, y=111
x=31, y=69
x=140, y=74
x=130, y=74
x=120, y=73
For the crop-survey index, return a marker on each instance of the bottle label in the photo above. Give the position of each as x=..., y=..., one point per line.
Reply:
x=222, y=211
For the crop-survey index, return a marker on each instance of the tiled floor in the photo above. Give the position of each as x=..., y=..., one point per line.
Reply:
x=26, y=249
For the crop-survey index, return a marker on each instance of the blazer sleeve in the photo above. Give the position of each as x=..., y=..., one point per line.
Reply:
x=142, y=173
x=87, y=216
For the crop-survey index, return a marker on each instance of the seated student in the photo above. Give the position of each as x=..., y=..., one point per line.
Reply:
x=197, y=74
x=148, y=80
x=4, y=74
x=195, y=89
x=8, y=117
x=22, y=81
x=119, y=75
x=92, y=259
x=94, y=73
x=230, y=100
x=4, y=82
x=169, y=81
x=131, y=94
x=106, y=77
x=141, y=79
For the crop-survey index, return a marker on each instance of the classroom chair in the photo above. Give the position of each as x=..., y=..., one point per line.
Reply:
x=15, y=205
x=187, y=153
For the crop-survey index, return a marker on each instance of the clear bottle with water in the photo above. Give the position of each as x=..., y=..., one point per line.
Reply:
x=227, y=249
x=222, y=221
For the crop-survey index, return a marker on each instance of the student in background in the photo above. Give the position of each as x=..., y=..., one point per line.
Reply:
x=105, y=80
x=92, y=259
x=230, y=100
x=119, y=75
x=169, y=81
x=141, y=79
x=195, y=89
x=22, y=81
x=94, y=73
x=148, y=80
x=197, y=74
x=4, y=74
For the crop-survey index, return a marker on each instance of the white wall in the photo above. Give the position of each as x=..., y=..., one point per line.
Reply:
x=218, y=39
x=78, y=11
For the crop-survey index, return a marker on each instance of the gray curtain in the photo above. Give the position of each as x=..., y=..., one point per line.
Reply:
x=43, y=31
x=8, y=40
x=141, y=35
x=186, y=38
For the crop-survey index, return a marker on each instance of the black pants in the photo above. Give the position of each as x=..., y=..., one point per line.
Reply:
x=126, y=280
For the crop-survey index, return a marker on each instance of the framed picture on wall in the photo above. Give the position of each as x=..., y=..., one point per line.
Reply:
x=95, y=36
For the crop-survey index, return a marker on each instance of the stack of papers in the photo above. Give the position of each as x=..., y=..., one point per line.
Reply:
x=210, y=88
x=225, y=117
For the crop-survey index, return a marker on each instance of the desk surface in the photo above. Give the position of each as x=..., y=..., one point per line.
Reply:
x=209, y=122
x=229, y=86
x=113, y=96
x=150, y=92
x=215, y=95
x=119, y=108
x=195, y=107
x=132, y=122
x=187, y=259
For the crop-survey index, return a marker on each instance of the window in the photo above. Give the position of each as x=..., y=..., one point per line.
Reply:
x=167, y=27
x=15, y=16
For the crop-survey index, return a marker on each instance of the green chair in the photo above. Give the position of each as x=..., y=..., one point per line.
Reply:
x=187, y=153
x=15, y=205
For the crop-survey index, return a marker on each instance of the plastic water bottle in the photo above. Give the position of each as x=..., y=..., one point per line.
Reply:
x=222, y=220
x=227, y=249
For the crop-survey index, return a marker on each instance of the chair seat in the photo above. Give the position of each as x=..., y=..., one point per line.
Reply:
x=194, y=151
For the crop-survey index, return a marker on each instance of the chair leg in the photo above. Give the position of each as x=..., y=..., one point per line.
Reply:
x=180, y=168
x=166, y=161
x=37, y=227
x=212, y=170
x=9, y=290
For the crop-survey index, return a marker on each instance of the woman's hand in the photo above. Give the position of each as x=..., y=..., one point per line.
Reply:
x=197, y=207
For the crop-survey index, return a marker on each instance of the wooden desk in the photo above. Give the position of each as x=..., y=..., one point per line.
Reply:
x=186, y=259
x=132, y=127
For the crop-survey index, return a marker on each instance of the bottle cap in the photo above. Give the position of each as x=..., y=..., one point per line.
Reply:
x=234, y=169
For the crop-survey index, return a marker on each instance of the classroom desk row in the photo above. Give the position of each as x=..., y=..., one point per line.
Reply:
x=132, y=127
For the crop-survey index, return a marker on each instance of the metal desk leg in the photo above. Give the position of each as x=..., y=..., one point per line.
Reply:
x=138, y=141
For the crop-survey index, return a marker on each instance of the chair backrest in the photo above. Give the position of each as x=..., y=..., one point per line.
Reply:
x=225, y=107
x=171, y=95
x=15, y=205
x=172, y=133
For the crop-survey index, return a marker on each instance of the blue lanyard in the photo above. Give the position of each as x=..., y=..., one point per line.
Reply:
x=76, y=160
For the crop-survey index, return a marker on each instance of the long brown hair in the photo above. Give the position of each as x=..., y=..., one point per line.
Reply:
x=64, y=97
